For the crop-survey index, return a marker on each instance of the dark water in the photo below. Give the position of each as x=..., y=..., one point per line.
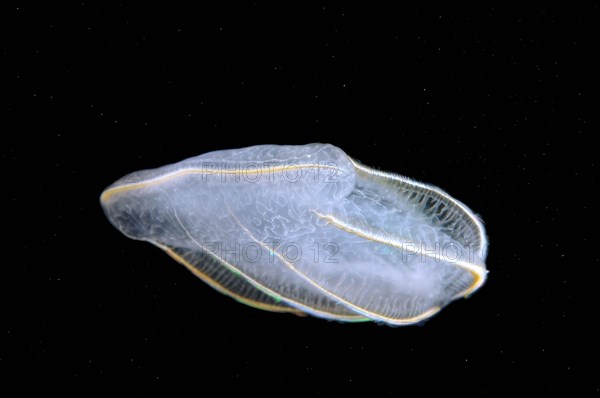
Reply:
x=494, y=105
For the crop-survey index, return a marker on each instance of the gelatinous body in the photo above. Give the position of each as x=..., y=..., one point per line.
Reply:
x=307, y=229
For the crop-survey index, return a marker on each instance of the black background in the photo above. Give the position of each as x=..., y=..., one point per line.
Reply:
x=493, y=104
